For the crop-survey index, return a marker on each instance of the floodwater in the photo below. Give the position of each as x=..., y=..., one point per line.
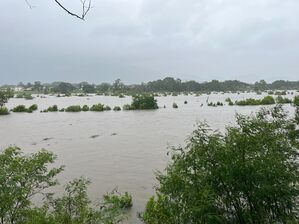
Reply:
x=115, y=149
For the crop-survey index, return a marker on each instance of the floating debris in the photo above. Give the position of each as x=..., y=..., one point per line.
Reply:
x=94, y=136
x=47, y=139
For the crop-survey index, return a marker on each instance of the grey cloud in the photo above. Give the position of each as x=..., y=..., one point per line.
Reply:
x=138, y=40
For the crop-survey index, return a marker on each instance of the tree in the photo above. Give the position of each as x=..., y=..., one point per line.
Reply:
x=3, y=98
x=249, y=174
x=144, y=102
x=21, y=178
x=24, y=176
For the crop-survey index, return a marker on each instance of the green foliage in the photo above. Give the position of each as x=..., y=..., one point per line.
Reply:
x=185, y=102
x=4, y=111
x=28, y=96
x=33, y=107
x=53, y=108
x=20, y=109
x=144, y=102
x=280, y=93
x=85, y=108
x=25, y=176
x=267, y=100
x=249, y=174
x=21, y=178
x=175, y=106
x=97, y=107
x=3, y=98
x=87, y=88
x=74, y=108
x=296, y=101
x=127, y=107
x=282, y=100
x=64, y=88
x=116, y=108
x=211, y=104
x=122, y=201
x=107, y=108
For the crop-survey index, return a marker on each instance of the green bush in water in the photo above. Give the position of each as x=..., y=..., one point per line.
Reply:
x=296, y=101
x=107, y=108
x=174, y=105
x=33, y=107
x=97, y=107
x=20, y=109
x=127, y=107
x=74, y=108
x=4, y=111
x=85, y=108
x=28, y=96
x=267, y=100
x=144, y=102
x=122, y=201
x=185, y=102
x=62, y=110
x=282, y=100
x=116, y=108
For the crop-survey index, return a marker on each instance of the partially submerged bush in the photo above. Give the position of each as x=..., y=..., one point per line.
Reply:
x=116, y=108
x=74, y=108
x=33, y=107
x=20, y=109
x=296, y=101
x=97, y=107
x=267, y=100
x=282, y=100
x=4, y=111
x=144, y=102
x=85, y=108
x=107, y=108
x=127, y=107
x=122, y=201
x=175, y=106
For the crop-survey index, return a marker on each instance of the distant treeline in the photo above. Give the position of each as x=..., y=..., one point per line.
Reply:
x=168, y=84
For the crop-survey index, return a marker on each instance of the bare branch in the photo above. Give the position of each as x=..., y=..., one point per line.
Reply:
x=85, y=9
x=86, y=6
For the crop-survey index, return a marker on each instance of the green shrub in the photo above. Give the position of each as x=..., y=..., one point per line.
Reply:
x=4, y=111
x=144, y=102
x=85, y=108
x=33, y=107
x=28, y=96
x=107, y=108
x=267, y=100
x=175, y=106
x=282, y=100
x=116, y=108
x=296, y=101
x=97, y=107
x=20, y=109
x=121, y=96
x=74, y=108
x=185, y=102
x=121, y=201
x=127, y=107
x=53, y=108
x=280, y=93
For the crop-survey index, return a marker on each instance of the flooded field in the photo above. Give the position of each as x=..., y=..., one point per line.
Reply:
x=115, y=149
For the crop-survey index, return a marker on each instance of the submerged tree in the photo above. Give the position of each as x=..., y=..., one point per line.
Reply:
x=247, y=175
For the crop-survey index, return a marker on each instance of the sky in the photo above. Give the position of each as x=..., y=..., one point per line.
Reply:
x=143, y=40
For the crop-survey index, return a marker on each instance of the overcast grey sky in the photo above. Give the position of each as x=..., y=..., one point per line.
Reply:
x=142, y=40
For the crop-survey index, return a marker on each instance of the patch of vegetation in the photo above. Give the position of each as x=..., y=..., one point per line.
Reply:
x=73, y=108
x=21, y=109
x=116, y=108
x=267, y=100
x=97, y=107
x=296, y=101
x=4, y=111
x=85, y=108
x=211, y=104
x=23, y=177
x=175, y=106
x=282, y=100
x=232, y=177
x=33, y=107
x=144, y=102
x=127, y=107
